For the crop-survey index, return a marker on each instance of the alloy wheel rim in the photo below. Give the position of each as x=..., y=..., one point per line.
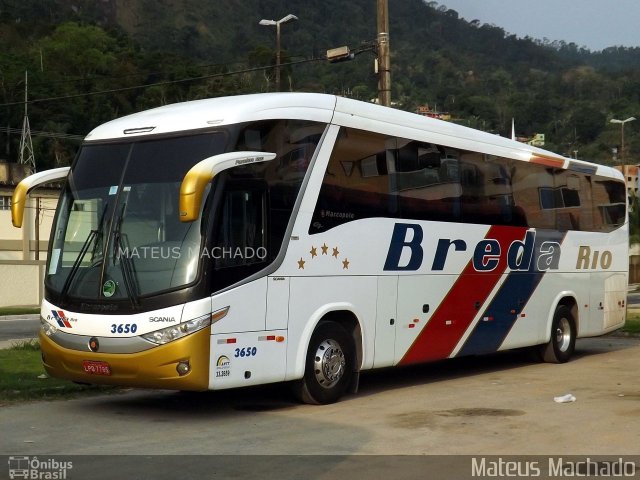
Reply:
x=329, y=363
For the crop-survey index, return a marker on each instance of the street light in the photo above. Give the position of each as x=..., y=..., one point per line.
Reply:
x=622, y=122
x=277, y=24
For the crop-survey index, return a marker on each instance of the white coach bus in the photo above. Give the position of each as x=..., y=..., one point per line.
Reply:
x=302, y=237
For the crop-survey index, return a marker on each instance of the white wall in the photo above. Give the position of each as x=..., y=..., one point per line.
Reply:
x=21, y=282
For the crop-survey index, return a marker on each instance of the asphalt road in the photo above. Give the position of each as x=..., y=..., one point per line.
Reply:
x=494, y=405
x=18, y=329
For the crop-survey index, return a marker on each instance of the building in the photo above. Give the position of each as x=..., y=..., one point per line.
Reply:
x=424, y=110
x=23, y=250
x=630, y=173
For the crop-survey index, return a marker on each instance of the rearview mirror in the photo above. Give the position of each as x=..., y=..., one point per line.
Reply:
x=19, y=198
x=197, y=179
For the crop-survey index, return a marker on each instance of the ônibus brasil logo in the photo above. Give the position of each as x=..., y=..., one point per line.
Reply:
x=32, y=467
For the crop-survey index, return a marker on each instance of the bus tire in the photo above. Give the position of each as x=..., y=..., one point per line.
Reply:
x=563, y=337
x=329, y=365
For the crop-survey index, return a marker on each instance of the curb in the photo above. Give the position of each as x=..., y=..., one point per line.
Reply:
x=6, y=344
x=28, y=316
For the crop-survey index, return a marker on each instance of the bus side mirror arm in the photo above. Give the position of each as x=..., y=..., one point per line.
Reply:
x=197, y=179
x=19, y=197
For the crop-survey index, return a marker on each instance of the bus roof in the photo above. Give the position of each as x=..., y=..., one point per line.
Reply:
x=213, y=112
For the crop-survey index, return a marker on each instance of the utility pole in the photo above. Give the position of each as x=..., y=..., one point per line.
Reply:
x=622, y=122
x=384, y=61
x=28, y=158
x=277, y=23
x=26, y=145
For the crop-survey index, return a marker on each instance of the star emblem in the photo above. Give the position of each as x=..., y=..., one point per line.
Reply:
x=335, y=252
x=301, y=263
x=324, y=248
x=313, y=252
x=345, y=264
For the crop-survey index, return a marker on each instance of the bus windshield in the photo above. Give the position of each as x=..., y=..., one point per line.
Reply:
x=118, y=234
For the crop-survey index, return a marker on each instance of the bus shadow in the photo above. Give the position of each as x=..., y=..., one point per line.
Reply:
x=376, y=381
x=276, y=397
x=210, y=404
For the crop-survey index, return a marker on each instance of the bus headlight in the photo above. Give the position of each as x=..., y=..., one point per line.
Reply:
x=47, y=328
x=174, y=332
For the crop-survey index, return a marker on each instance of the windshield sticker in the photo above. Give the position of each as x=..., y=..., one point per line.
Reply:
x=113, y=190
x=55, y=257
x=109, y=288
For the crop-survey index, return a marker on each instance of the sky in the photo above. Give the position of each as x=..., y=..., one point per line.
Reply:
x=594, y=24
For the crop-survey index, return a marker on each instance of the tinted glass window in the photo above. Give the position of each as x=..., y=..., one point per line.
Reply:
x=254, y=204
x=425, y=179
x=487, y=187
x=356, y=183
x=609, y=198
x=528, y=181
x=372, y=175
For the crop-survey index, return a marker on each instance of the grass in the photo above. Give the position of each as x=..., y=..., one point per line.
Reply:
x=22, y=377
x=633, y=322
x=18, y=310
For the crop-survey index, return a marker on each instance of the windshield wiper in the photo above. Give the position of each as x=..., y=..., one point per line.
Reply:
x=120, y=252
x=93, y=234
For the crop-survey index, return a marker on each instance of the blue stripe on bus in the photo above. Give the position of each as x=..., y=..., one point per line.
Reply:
x=514, y=294
x=579, y=167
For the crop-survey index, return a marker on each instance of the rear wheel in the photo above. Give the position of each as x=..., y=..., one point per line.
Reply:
x=329, y=365
x=563, y=337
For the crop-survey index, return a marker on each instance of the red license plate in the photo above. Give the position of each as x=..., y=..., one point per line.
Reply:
x=96, y=368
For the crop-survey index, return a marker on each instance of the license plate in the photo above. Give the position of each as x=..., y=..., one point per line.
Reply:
x=96, y=368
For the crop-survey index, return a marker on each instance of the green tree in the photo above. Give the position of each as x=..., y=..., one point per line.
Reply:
x=79, y=50
x=634, y=221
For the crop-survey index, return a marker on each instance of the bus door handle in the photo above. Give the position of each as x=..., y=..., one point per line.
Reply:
x=477, y=305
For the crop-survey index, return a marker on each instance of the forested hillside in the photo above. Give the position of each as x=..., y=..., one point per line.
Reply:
x=89, y=61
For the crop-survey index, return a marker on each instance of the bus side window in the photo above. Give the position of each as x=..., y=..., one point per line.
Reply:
x=610, y=202
x=425, y=180
x=242, y=235
x=487, y=195
x=528, y=180
x=356, y=182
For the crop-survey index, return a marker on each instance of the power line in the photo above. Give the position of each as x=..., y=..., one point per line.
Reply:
x=39, y=133
x=117, y=77
x=157, y=84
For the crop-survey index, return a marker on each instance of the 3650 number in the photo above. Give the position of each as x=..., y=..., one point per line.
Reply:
x=124, y=328
x=246, y=352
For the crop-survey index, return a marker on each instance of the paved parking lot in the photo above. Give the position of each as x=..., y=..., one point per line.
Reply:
x=501, y=404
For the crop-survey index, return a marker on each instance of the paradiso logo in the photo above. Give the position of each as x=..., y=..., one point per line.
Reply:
x=521, y=254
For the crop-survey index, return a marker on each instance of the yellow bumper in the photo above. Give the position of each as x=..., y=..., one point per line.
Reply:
x=154, y=368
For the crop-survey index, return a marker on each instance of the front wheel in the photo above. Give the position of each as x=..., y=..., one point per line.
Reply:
x=329, y=365
x=563, y=337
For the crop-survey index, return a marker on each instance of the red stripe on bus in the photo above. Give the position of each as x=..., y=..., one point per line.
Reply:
x=440, y=336
x=547, y=161
x=64, y=319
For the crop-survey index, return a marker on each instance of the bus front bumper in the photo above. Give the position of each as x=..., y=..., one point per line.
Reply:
x=154, y=368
